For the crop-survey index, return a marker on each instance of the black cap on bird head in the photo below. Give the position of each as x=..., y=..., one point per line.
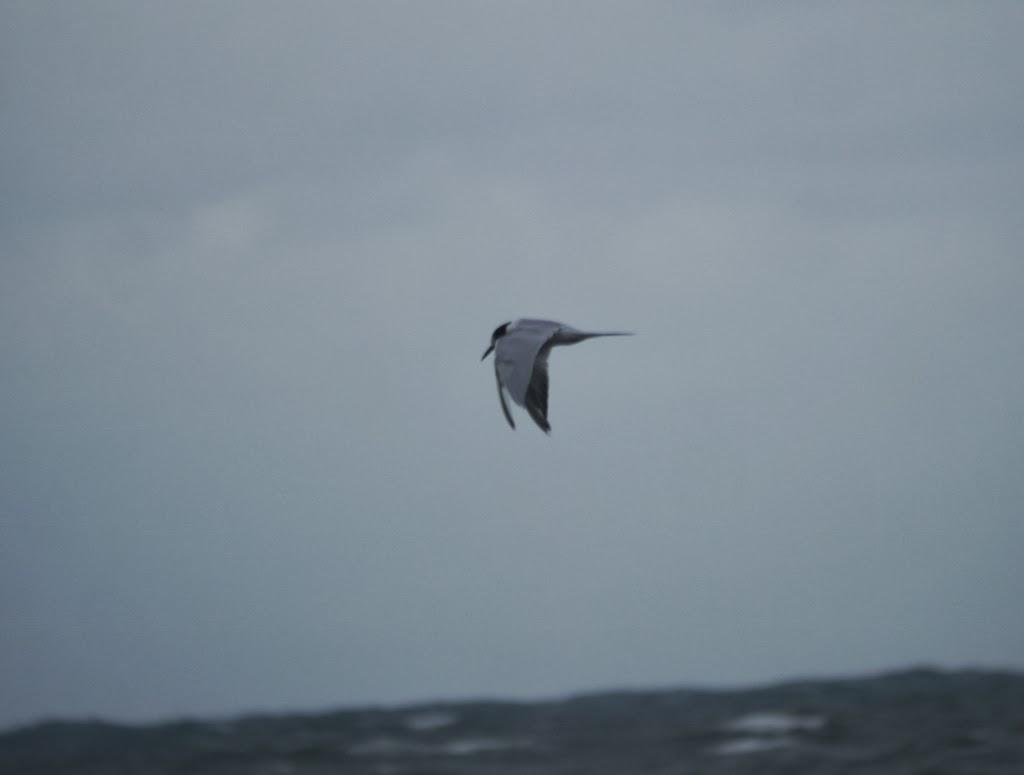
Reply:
x=499, y=332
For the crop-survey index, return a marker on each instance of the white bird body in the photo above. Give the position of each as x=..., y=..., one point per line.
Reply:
x=521, y=349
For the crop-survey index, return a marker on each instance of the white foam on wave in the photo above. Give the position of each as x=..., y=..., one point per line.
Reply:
x=766, y=732
x=470, y=746
x=775, y=724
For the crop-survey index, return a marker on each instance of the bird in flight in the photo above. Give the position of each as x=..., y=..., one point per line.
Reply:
x=521, y=349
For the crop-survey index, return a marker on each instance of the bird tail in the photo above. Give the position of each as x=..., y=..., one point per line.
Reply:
x=572, y=336
x=592, y=334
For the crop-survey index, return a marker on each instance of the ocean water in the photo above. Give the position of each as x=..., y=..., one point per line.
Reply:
x=920, y=722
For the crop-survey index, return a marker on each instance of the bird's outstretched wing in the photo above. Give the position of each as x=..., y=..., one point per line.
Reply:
x=516, y=353
x=537, y=392
x=501, y=397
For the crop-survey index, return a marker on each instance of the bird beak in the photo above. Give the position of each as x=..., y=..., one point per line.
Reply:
x=487, y=351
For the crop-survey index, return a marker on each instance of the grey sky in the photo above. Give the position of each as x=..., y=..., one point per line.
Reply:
x=251, y=253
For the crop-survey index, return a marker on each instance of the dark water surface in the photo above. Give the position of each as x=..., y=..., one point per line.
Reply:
x=923, y=722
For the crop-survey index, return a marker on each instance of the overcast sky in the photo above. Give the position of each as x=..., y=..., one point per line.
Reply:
x=250, y=254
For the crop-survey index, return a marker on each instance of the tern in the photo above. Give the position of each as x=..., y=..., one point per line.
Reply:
x=521, y=349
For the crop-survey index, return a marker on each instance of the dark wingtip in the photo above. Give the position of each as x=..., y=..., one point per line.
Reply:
x=540, y=419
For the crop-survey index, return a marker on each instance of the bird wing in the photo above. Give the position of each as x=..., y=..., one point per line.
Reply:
x=501, y=397
x=516, y=354
x=537, y=392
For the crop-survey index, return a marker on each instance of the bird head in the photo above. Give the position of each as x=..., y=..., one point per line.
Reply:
x=499, y=332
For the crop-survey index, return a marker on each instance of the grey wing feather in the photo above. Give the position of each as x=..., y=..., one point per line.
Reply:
x=501, y=397
x=537, y=392
x=516, y=354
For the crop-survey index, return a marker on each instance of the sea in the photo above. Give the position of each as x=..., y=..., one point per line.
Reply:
x=912, y=722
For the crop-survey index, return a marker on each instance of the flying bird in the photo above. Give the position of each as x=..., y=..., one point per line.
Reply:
x=521, y=349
